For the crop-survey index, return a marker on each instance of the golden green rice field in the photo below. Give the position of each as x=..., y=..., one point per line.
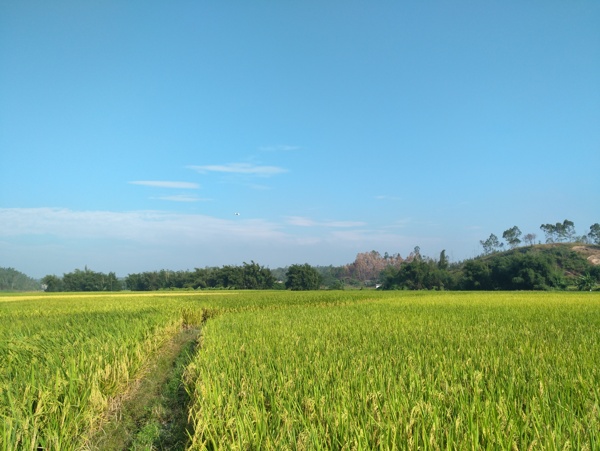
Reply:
x=313, y=370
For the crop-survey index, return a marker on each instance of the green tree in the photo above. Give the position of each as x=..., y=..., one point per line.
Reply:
x=586, y=282
x=491, y=245
x=564, y=231
x=302, y=277
x=256, y=277
x=137, y=282
x=332, y=276
x=525, y=272
x=443, y=262
x=52, y=283
x=88, y=280
x=420, y=273
x=476, y=275
x=512, y=236
x=550, y=232
x=227, y=277
x=530, y=238
x=13, y=280
x=594, y=234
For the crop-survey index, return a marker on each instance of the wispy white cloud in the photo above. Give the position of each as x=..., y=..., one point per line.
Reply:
x=301, y=221
x=400, y=223
x=386, y=197
x=343, y=224
x=279, y=148
x=182, y=198
x=166, y=184
x=52, y=240
x=42, y=241
x=141, y=226
x=240, y=168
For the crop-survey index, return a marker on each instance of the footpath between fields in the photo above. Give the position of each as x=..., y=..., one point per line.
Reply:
x=153, y=414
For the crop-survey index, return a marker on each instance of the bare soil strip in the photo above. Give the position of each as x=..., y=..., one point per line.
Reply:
x=153, y=414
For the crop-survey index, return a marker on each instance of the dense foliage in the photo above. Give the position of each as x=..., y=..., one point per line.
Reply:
x=13, y=280
x=544, y=267
x=302, y=277
x=248, y=276
x=83, y=280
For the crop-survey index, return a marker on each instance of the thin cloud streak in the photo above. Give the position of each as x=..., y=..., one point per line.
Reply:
x=385, y=197
x=37, y=239
x=141, y=226
x=240, y=168
x=301, y=221
x=280, y=148
x=182, y=198
x=165, y=184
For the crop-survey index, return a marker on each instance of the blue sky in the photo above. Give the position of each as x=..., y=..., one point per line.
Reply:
x=131, y=133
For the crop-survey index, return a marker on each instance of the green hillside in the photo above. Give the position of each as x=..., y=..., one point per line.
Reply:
x=563, y=266
x=542, y=266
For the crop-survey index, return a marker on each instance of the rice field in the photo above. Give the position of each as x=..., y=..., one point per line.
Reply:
x=64, y=356
x=315, y=370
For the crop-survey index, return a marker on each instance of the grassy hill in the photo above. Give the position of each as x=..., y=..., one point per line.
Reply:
x=572, y=257
x=555, y=266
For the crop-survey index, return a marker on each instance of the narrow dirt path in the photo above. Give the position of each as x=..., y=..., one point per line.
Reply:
x=153, y=414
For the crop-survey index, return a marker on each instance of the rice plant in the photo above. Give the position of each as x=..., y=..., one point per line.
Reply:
x=402, y=371
x=64, y=356
x=318, y=370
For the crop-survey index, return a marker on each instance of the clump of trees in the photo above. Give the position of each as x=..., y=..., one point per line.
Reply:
x=521, y=269
x=547, y=269
x=249, y=276
x=302, y=277
x=553, y=269
x=82, y=280
x=367, y=268
x=419, y=272
x=13, y=280
x=516, y=271
x=554, y=233
x=559, y=232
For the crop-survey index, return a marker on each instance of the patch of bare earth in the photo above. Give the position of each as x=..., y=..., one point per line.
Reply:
x=590, y=252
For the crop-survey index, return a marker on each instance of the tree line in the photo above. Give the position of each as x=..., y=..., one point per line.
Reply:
x=249, y=276
x=523, y=268
x=82, y=280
